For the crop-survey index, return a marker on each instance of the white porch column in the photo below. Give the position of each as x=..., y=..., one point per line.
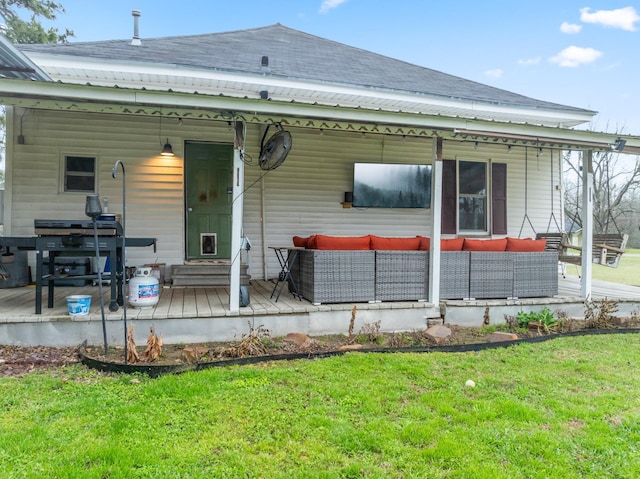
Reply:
x=436, y=225
x=587, y=223
x=237, y=211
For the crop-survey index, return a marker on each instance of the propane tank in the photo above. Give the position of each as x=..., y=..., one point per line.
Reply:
x=143, y=289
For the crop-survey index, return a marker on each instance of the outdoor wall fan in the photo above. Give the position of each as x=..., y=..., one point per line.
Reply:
x=275, y=150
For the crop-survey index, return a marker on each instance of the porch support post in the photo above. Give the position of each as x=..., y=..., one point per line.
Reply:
x=6, y=215
x=237, y=209
x=587, y=223
x=436, y=226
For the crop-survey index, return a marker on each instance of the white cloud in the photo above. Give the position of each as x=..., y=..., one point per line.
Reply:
x=623, y=18
x=495, y=73
x=567, y=27
x=529, y=61
x=330, y=5
x=575, y=56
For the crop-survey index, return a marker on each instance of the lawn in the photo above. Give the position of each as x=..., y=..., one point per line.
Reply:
x=625, y=273
x=568, y=407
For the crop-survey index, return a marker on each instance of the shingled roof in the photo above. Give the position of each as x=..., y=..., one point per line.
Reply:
x=295, y=55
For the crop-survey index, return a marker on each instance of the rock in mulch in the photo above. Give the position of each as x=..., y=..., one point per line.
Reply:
x=299, y=339
x=499, y=336
x=193, y=354
x=438, y=334
x=350, y=347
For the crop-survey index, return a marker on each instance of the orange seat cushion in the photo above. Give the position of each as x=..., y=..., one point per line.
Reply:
x=485, y=245
x=342, y=242
x=528, y=245
x=403, y=244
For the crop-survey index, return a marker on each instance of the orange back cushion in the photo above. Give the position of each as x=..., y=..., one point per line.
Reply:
x=453, y=244
x=485, y=245
x=300, y=242
x=425, y=243
x=404, y=244
x=342, y=242
x=526, y=245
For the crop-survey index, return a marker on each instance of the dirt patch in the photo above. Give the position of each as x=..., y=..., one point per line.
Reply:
x=19, y=360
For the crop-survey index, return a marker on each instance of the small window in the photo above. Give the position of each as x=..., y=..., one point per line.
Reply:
x=79, y=174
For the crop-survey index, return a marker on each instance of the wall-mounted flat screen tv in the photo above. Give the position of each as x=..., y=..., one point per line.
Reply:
x=378, y=185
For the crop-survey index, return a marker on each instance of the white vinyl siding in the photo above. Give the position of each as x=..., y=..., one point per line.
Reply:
x=302, y=197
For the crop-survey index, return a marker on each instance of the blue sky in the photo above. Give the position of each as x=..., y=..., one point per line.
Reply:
x=578, y=53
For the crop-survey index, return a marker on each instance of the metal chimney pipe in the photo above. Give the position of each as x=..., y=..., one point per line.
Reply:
x=136, y=35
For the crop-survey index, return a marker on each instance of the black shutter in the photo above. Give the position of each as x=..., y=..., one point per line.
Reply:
x=449, y=198
x=499, y=198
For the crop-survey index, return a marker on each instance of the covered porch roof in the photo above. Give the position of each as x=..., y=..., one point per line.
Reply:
x=116, y=100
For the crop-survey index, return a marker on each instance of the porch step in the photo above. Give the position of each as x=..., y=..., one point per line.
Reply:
x=205, y=275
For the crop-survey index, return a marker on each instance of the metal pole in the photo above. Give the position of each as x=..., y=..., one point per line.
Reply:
x=123, y=272
x=101, y=294
x=93, y=210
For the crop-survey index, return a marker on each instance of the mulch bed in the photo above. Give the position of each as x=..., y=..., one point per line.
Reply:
x=16, y=361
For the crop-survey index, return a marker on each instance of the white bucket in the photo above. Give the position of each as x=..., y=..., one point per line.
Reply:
x=144, y=291
x=79, y=304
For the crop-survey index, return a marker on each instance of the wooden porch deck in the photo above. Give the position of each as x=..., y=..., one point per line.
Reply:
x=191, y=314
x=18, y=304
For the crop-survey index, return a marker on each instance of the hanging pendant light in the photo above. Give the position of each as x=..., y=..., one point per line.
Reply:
x=167, y=150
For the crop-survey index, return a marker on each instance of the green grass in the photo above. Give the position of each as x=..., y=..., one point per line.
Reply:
x=625, y=273
x=563, y=408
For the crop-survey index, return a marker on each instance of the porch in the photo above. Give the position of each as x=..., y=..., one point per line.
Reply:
x=195, y=315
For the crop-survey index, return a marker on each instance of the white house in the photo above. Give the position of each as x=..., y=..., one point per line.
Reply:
x=75, y=109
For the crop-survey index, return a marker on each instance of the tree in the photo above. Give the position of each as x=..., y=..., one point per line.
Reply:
x=28, y=31
x=616, y=192
x=32, y=31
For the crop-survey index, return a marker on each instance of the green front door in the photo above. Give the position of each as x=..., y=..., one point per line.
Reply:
x=208, y=183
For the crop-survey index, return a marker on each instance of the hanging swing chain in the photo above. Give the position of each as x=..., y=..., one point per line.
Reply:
x=553, y=209
x=609, y=215
x=526, y=193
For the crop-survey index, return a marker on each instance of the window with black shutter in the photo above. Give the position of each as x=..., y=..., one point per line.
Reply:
x=469, y=205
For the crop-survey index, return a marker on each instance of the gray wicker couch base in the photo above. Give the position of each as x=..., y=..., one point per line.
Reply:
x=328, y=276
x=336, y=276
x=490, y=274
x=454, y=274
x=401, y=275
x=535, y=275
x=513, y=275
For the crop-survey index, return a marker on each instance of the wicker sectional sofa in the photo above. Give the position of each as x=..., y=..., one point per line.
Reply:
x=358, y=275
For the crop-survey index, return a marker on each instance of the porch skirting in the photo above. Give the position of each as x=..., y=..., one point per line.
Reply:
x=198, y=315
